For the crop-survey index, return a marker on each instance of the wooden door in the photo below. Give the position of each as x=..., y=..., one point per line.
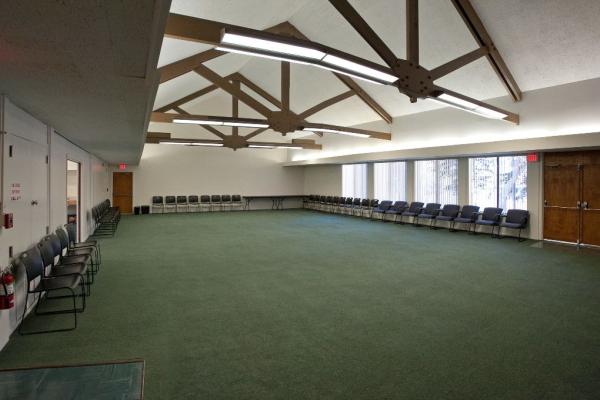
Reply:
x=590, y=206
x=123, y=191
x=562, y=186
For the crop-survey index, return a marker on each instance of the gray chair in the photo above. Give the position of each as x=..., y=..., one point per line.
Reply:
x=215, y=202
x=205, y=202
x=236, y=202
x=182, y=204
x=430, y=211
x=356, y=204
x=158, y=204
x=193, y=204
x=415, y=209
x=381, y=209
x=490, y=217
x=468, y=215
x=515, y=219
x=364, y=205
x=226, y=202
x=448, y=214
x=396, y=209
x=170, y=204
x=373, y=204
x=348, y=205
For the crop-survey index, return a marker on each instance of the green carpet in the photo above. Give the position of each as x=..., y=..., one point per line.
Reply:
x=302, y=305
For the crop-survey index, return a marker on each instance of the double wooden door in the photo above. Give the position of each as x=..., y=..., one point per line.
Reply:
x=572, y=197
x=123, y=191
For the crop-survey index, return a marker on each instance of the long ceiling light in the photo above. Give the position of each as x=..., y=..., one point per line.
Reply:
x=192, y=143
x=241, y=124
x=250, y=44
x=339, y=132
x=269, y=146
x=465, y=105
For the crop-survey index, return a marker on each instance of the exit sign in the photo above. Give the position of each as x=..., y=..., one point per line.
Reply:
x=532, y=157
x=122, y=166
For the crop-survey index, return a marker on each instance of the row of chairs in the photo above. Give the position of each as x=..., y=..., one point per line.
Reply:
x=59, y=264
x=193, y=203
x=106, y=219
x=419, y=213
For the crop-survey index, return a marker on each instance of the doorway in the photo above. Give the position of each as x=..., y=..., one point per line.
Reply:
x=123, y=191
x=74, y=193
x=572, y=197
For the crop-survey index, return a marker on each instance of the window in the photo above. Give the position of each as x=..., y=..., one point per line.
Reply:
x=436, y=181
x=354, y=180
x=390, y=181
x=498, y=182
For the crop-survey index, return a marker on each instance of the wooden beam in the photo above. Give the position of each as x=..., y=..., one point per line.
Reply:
x=186, y=65
x=285, y=85
x=235, y=112
x=412, y=31
x=473, y=22
x=258, y=90
x=221, y=82
x=368, y=100
x=372, y=134
x=364, y=30
x=255, y=133
x=156, y=137
x=188, y=98
x=327, y=103
x=301, y=146
x=510, y=116
x=457, y=63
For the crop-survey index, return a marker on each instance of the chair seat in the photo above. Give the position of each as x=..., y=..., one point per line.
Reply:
x=393, y=212
x=426, y=216
x=462, y=220
x=67, y=281
x=69, y=269
x=486, y=222
x=511, y=225
x=82, y=251
x=444, y=218
x=82, y=259
x=409, y=214
x=87, y=243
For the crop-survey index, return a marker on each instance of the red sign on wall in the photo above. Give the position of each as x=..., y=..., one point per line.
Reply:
x=122, y=166
x=532, y=157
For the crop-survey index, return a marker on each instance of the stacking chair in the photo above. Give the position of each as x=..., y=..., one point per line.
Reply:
x=468, y=215
x=193, y=205
x=448, y=213
x=226, y=202
x=335, y=201
x=158, y=205
x=381, y=209
x=322, y=203
x=396, y=209
x=170, y=204
x=57, y=264
x=348, y=205
x=373, y=204
x=328, y=203
x=89, y=243
x=515, y=219
x=215, y=202
x=182, y=204
x=306, y=201
x=430, y=211
x=340, y=205
x=205, y=202
x=415, y=209
x=236, y=202
x=364, y=205
x=38, y=283
x=355, y=205
x=490, y=217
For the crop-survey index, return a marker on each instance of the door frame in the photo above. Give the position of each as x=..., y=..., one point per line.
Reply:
x=113, y=186
x=79, y=191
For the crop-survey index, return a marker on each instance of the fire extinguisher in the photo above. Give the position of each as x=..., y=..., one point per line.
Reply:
x=7, y=291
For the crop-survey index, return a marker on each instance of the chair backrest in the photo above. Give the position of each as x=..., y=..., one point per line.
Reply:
x=157, y=199
x=63, y=237
x=349, y=201
x=374, y=203
x=72, y=232
x=469, y=212
x=170, y=200
x=335, y=200
x=215, y=198
x=365, y=202
x=226, y=198
x=236, y=198
x=431, y=208
x=328, y=199
x=46, y=250
x=323, y=199
x=193, y=199
x=385, y=205
x=356, y=201
x=491, y=214
x=399, y=205
x=516, y=216
x=415, y=207
x=181, y=199
x=205, y=198
x=342, y=200
x=450, y=210
x=32, y=261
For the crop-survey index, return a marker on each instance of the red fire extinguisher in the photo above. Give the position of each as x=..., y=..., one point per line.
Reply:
x=7, y=291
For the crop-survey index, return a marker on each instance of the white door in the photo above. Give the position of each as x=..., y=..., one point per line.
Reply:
x=39, y=191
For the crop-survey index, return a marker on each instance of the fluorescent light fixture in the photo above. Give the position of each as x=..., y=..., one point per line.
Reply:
x=359, y=68
x=327, y=130
x=269, y=146
x=271, y=46
x=194, y=144
x=258, y=54
x=197, y=122
x=339, y=71
x=246, y=124
x=468, y=106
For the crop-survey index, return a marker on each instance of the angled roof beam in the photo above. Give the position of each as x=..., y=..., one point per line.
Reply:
x=473, y=22
x=235, y=112
x=257, y=89
x=285, y=85
x=457, y=63
x=364, y=30
x=412, y=31
x=329, y=102
x=183, y=66
x=255, y=133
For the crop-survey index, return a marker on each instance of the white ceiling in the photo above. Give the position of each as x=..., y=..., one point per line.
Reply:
x=84, y=67
x=544, y=42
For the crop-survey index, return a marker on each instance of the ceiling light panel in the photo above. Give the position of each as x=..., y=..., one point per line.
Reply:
x=359, y=68
x=271, y=46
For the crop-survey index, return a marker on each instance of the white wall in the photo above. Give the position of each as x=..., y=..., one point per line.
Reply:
x=42, y=180
x=185, y=170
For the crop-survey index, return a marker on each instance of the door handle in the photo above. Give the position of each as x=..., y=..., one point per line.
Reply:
x=578, y=204
x=34, y=202
x=584, y=204
x=545, y=202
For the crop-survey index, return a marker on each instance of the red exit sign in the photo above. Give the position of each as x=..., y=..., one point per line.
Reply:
x=532, y=157
x=122, y=166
